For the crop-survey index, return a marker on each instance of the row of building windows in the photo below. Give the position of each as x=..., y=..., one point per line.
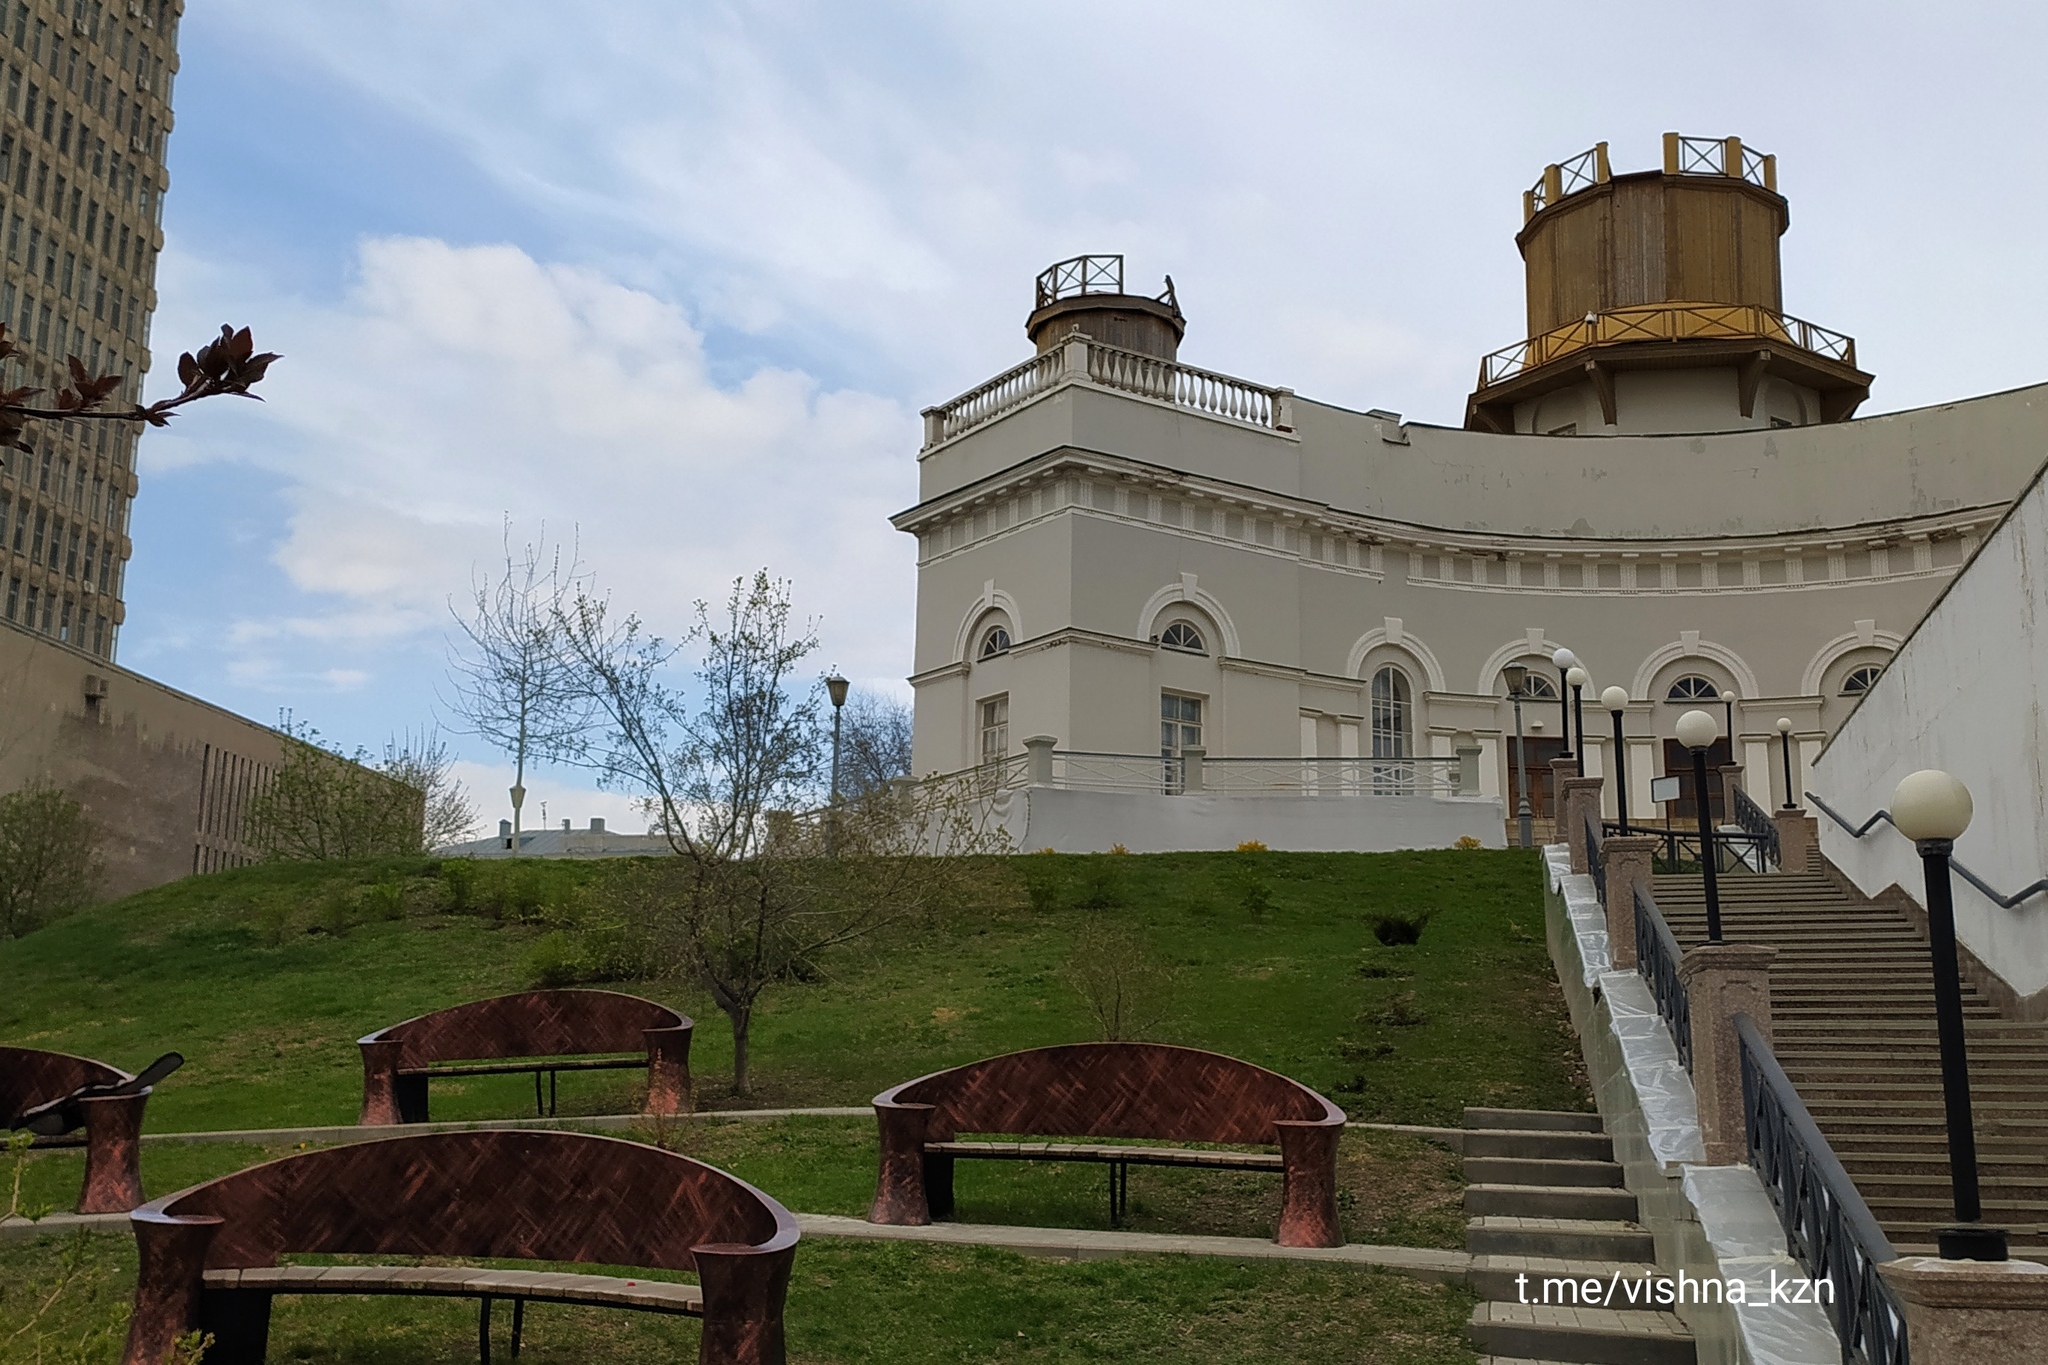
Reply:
x=59, y=615
x=49, y=543
x=128, y=50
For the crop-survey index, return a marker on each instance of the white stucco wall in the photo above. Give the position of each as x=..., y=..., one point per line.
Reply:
x=1964, y=694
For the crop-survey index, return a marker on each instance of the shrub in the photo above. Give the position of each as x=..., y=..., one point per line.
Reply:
x=49, y=858
x=386, y=901
x=1255, y=896
x=1467, y=842
x=553, y=961
x=1251, y=846
x=271, y=919
x=458, y=885
x=1398, y=928
x=1118, y=848
x=1127, y=987
x=332, y=917
x=1103, y=887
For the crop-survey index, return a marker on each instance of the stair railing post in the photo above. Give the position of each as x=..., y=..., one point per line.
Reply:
x=1723, y=980
x=1798, y=840
x=1626, y=860
x=1971, y=1312
x=1578, y=797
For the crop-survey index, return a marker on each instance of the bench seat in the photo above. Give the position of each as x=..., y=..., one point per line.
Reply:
x=514, y=1068
x=1136, y=1156
x=462, y=1282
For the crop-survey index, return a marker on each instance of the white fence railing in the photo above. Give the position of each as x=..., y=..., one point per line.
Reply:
x=1079, y=359
x=1177, y=775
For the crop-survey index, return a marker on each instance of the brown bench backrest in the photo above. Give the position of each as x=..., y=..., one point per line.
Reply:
x=521, y=1196
x=29, y=1077
x=1123, y=1090
x=530, y=1024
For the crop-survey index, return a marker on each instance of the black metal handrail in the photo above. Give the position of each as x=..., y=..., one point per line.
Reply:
x=1754, y=820
x=1828, y=1227
x=1733, y=847
x=1657, y=958
x=2034, y=888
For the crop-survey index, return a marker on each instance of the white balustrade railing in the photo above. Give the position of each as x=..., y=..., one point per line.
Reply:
x=1332, y=776
x=1080, y=359
x=1081, y=771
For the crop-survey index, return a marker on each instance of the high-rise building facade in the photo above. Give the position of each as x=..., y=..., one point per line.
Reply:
x=87, y=91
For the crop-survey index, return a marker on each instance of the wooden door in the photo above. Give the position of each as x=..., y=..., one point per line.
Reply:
x=1678, y=764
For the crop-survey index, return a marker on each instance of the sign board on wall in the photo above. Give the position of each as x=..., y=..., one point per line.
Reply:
x=1663, y=789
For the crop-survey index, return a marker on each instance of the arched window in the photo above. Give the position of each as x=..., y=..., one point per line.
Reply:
x=1183, y=635
x=1535, y=686
x=1390, y=708
x=1692, y=687
x=997, y=641
x=1861, y=680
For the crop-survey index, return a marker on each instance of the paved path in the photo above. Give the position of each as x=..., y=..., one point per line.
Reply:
x=1067, y=1244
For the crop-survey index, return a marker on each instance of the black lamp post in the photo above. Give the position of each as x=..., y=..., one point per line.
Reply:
x=1785, y=744
x=1579, y=679
x=1615, y=699
x=1518, y=677
x=1696, y=731
x=1933, y=809
x=1566, y=661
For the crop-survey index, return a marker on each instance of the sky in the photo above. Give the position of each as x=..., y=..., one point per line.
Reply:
x=668, y=282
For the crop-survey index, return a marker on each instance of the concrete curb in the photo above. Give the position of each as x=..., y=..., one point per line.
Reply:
x=1065, y=1244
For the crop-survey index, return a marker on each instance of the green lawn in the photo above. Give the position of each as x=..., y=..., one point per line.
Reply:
x=264, y=977
x=890, y=1303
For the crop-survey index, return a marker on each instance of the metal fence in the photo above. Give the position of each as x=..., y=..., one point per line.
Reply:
x=1664, y=322
x=1657, y=958
x=1756, y=822
x=1828, y=1227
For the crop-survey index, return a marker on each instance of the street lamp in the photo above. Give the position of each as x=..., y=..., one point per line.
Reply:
x=1518, y=678
x=836, y=686
x=1565, y=662
x=1933, y=809
x=1615, y=699
x=1580, y=679
x=1785, y=743
x=1697, y=732
x=1728, y=700
x=518, y=794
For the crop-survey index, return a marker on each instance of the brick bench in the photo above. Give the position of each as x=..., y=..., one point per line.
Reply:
x=208, y=1256
x=541, y=1032
x=31, y=1078
x=1111, y=1090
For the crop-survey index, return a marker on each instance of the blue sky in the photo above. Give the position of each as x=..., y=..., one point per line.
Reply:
x=675, y=279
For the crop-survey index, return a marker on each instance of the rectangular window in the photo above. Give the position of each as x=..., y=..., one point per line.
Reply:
x=32, y=608
x=71, y=553
x=13, y=598
x=35, y=554
x=92, y=545
x=995, y=729
x=64, y=623
x=99, y=636
x=6, y=507
x=1180, y=728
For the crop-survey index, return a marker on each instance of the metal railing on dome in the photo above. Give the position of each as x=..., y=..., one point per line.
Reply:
x=1080, y=275
x=1665, y=322
x=1828, y=1227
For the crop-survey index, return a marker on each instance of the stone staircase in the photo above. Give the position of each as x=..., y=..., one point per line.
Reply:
x=1852, y=1000
x=1544, y=1202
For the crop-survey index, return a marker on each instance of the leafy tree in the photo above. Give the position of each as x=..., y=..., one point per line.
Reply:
x=323, y=803
x=49, y=858
x=755, y=893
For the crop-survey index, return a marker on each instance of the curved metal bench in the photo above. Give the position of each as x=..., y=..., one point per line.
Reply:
x=543, y=1032
x=1111, y=1090
x=209, y=1254
x=32, y=1079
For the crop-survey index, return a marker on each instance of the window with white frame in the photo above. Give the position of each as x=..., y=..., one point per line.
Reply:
x=995, y=728
x=1392, y=704
x=1692, y=687
x=996, y=641
x=1861, y=680
x=1184, y=636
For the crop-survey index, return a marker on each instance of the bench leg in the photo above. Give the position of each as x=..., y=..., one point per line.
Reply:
x=239, y=1320
x=518, y=1324
x=551, y=1094
x=938, y=1185
x=483, y=1330
x=1119, y=1191
x=412, y=1098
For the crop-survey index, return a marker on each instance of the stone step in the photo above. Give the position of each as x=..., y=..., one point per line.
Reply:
x=1515, y=1170
x=1549, y=1201
x=1995, y=1185
x=1531, y=1120
x=1494, y=1277
x=1588, y=1336
x=1539, y=1144
x=1591, y=1239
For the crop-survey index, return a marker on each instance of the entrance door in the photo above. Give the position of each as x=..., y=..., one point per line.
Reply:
x=1541, y=799
x=1678, y=764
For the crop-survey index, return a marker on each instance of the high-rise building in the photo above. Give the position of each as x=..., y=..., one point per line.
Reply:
x=87, y=91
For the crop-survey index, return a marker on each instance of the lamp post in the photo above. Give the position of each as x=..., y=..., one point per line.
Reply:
x=1565, y=662
x=1518, y=678
x=1615, y=699
x=1933, y=809
x=1785, y=744
x=1728, y=700
x=835, y=686
x=1580, y=680
x=518, y=794
x=1696, y=731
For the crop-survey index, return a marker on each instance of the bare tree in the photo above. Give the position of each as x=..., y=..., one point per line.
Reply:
x=421, y=760
x=752, y=897
x=1128, y=989
x=875, y=745
x=323, y=803
x=49, y=858
x=515, y=685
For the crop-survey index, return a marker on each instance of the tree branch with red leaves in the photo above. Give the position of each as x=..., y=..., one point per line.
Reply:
x=227, y=365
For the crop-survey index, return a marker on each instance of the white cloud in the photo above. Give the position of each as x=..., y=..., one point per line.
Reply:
x=456, y=385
